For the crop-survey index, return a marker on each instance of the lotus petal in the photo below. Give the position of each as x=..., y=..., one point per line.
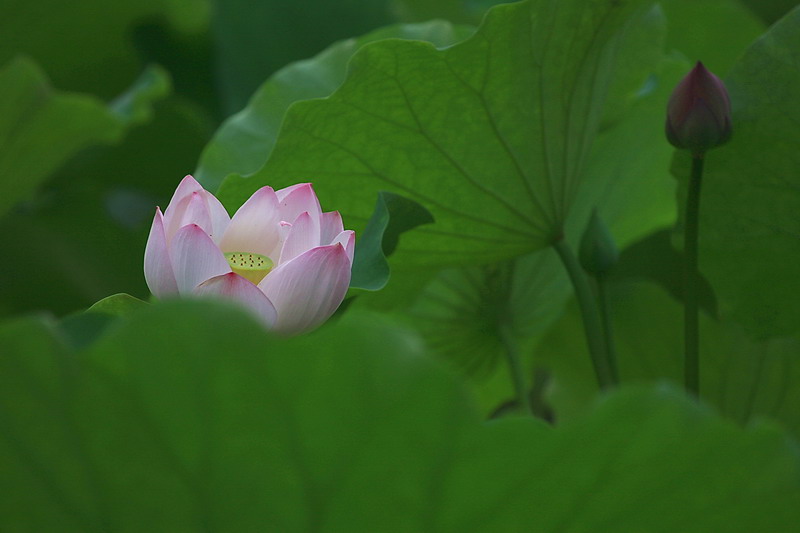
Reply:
x=195, y=258
x=308, y=289
x=330, y=226
x=234, y=287
x=158, y=272
x=303, y=236
x=254, y=227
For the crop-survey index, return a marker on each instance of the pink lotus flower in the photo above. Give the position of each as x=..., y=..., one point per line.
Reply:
x=279, y=255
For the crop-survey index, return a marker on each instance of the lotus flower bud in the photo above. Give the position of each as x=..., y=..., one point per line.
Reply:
x=699, y=112
x=598, y=251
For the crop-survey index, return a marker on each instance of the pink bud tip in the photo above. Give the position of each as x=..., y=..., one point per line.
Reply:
x=699, y=112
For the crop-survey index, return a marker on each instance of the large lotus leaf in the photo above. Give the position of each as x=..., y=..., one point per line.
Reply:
x=36, y=443
x=460, y=313
x=634, y=194
x=466, y=316
x=744, y=379
x=749, y=223
x=244, y=141
x=188, y=416
x=41, y=128
x=490, y=135
x=638, y=461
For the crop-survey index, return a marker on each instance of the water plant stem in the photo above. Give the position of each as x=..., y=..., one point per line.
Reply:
x=691, y=363
x=608, y=330
x=592, y=323
x=515, y=368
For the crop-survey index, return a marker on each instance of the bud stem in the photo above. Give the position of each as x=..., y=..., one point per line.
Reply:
x=608, y=331
x=515, y=368
x=592, y=323
x=691, y=365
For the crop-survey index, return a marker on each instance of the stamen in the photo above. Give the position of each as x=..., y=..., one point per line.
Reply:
x=253, y=267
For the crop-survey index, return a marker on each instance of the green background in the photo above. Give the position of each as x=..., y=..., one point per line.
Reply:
x=458, y=142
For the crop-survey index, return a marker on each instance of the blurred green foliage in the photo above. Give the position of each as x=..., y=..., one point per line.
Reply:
x=270, y=29
x=33, y=148
x=351, y=428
